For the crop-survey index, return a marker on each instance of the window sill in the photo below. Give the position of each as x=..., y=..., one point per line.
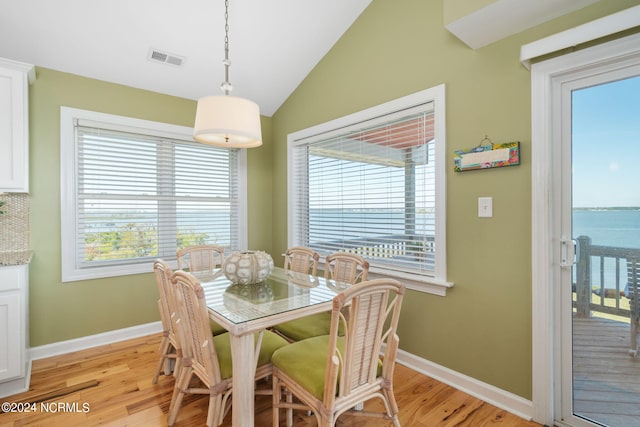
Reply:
x=414, y=282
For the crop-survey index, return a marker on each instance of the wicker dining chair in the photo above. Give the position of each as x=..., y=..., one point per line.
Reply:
x=200, y=258
x=331, y=374
x=169, y=347
x=301, y=260
x=209, y=357
x=347, y=268
x=340, y=267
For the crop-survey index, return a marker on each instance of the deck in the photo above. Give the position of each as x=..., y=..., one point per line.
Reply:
x=606, y=378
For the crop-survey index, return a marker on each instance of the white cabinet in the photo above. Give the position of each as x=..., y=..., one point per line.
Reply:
x=14, y=339
x=14, y=125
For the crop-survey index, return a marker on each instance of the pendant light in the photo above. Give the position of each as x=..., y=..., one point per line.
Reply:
x=227, y=121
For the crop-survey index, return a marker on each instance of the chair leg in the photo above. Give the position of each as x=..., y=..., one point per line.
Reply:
x=289, y=398
x=277, y=390
x=177, y=366
x=164, y=350
x=275, y=411
x=181, y=384
x=158, y=370
x=214, y=416
x=325, y=420
x=391, y=406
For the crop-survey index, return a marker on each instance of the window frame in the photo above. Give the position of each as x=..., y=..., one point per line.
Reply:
x=71, y=270
x=436, y=284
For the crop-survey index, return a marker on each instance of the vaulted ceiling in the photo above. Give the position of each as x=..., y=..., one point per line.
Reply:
x=273, y=44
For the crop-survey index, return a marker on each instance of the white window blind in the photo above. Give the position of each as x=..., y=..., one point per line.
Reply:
x=139, y=195
x=370, y=188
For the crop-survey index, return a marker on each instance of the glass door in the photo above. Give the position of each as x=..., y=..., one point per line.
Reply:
x=601, y=235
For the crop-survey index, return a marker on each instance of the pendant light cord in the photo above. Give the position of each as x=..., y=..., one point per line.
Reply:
x=226, y=85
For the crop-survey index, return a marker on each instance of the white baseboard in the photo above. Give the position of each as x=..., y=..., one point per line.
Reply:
x=84, y=343
x=493, y=395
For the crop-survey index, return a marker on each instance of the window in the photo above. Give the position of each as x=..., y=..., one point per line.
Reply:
x=372, y=183
x=134, y=190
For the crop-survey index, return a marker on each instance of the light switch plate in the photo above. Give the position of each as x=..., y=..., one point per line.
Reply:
x=485, y=207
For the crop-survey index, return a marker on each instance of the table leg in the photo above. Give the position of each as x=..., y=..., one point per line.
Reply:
x=242, y=409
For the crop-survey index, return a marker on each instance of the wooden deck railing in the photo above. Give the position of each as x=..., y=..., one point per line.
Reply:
x=606, y=259
x=389, y=246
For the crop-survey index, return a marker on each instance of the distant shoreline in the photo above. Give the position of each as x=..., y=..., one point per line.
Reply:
x=610, y=208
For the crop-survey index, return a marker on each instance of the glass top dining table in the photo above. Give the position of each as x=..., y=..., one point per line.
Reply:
x=244, y=310
x=282, y=292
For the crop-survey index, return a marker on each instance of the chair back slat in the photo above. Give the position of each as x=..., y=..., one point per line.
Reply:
x=368, y=318
x=194, y=328
x=200, y=257
x=301, y=260
x=345, y=267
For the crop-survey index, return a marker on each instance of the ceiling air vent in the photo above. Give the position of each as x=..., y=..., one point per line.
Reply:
x=166, y=58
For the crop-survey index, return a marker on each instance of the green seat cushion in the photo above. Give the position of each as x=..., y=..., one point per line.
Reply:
x=270, y=343
x=314, y=325
x=306, y=362
x=311, y=326
x=216, y=329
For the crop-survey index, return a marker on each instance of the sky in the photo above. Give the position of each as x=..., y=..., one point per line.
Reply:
x=606, y=145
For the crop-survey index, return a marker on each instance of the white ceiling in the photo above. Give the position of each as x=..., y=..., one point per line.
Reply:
x=273, y=44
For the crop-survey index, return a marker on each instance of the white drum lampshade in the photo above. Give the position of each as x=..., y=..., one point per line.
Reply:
x=228, y=122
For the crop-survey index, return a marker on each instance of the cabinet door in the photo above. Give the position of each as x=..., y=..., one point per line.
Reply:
x=13, y=131
x=11, y=346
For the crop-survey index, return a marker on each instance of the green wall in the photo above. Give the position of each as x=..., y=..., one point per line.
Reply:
x=63, y=311
x=482, y=328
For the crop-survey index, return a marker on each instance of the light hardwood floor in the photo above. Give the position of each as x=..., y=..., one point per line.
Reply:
x=111, y=385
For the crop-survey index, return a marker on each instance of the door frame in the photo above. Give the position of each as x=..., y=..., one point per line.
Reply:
x=547, y=78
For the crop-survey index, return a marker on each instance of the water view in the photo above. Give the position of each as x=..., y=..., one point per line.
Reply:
x=608, y=226
x=614, y=227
